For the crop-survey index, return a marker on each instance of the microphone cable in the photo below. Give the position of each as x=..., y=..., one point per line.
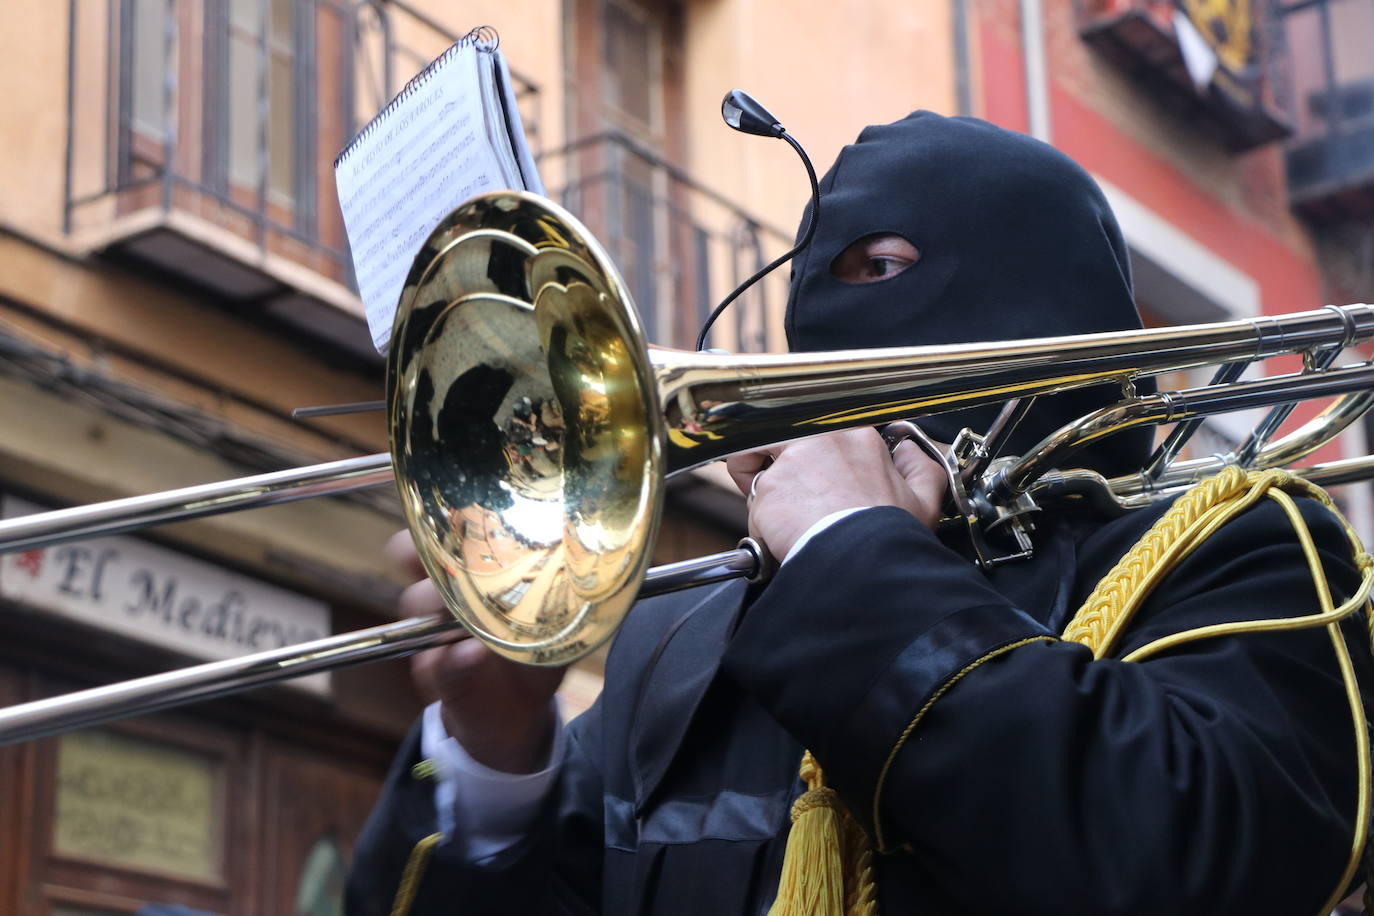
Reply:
x=743, y=113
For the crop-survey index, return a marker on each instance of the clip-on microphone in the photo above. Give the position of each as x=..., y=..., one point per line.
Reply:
x=743, y=113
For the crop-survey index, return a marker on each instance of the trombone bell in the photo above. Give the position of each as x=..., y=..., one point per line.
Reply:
x=525, y=430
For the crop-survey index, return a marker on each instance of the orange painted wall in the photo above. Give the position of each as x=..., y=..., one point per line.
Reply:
x=1237, y=219
x=1233, y=204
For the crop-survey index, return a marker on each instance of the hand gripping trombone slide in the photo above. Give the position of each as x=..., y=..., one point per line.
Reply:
x=532, y=429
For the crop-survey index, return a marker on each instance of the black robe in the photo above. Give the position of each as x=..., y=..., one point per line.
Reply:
x=1217, y=778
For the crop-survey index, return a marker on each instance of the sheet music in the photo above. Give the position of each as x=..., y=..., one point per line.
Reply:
x=426, y=154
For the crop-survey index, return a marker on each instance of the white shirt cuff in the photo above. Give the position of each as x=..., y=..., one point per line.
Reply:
x=817, y=527
x=483, y=810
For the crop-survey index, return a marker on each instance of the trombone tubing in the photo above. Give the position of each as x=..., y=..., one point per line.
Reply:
x=783, y=396
x=1295, y=446
x=717, y=405
x=1121, y=495
x=97, y=705
x=84, y=708
x=44, y=529
x=1166, y=407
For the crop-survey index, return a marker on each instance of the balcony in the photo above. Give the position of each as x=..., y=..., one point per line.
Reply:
x=1143, y=38
x=201, y=138
x=680, y=245
x=1331, y=155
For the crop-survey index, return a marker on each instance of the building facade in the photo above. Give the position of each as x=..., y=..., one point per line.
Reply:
x=175, y=280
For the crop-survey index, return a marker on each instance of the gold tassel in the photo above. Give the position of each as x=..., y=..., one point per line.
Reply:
x=827, y=869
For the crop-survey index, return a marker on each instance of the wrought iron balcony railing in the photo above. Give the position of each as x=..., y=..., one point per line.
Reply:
x=681, y=245
x=1221, y=73
x=1331, y=102
x=201, y=138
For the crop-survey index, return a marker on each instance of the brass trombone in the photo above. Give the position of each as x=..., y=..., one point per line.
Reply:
x=532, y=429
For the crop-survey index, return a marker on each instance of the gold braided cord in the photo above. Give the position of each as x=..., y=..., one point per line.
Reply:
x=1328, y=616
x=1191, y=520
x=1105, y=613
x=414, y=871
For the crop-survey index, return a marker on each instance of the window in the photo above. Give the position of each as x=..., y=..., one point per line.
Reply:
x=255, y=75
x=631, y=81
x=228, y=113
x=632, y=224
x=621, y=185
x=148, y=51
x=148, y=103
x=513, y=595
x=268, y=57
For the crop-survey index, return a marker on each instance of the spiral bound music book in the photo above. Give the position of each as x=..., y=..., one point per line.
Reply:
x=453, y=132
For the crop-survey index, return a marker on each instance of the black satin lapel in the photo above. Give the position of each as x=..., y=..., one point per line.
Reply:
x=1066, y=562
x=682, y=667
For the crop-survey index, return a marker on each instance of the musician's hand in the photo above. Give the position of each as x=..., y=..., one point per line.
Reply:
x=500, y=711
x=811, y=478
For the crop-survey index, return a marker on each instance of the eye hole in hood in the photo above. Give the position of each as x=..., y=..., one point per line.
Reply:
x=875, y=257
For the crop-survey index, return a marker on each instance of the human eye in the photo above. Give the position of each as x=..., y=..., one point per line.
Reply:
x=875, y=257
x=881, y=266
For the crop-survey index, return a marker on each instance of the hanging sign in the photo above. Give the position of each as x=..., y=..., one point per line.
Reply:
x=161, y=596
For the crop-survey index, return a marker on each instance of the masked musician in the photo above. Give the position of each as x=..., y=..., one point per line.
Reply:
x=993, y=766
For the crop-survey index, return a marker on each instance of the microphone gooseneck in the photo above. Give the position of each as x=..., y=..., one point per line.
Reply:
x=743, y=113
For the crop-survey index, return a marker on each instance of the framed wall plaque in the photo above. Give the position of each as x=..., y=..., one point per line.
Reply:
x=139, y=804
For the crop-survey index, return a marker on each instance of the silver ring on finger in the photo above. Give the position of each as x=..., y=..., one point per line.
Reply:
x=754, y=486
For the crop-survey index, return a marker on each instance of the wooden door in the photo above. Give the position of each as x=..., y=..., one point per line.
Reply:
x=14, y=796
x=313, y=808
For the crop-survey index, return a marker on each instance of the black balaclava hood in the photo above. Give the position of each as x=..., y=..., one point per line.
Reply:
x=1016, y=241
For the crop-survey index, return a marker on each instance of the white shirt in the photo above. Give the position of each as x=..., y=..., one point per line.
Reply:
x=486, y=810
